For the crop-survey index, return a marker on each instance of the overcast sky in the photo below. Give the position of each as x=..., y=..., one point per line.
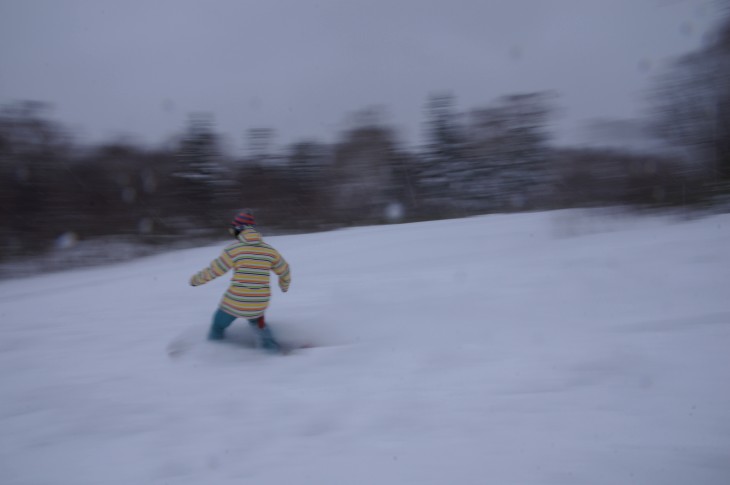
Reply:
x=140, y=67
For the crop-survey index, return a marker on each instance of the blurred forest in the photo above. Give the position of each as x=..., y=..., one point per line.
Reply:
x=496, y=158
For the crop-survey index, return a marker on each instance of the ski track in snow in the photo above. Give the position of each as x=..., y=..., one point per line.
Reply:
x=545, y=348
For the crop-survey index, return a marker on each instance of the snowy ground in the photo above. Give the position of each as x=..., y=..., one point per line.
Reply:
x=550, y=348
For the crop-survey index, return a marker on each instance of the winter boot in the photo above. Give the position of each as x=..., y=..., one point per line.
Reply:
x=264, y=338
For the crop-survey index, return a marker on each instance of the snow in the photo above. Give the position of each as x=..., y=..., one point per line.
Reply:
x=546, y=348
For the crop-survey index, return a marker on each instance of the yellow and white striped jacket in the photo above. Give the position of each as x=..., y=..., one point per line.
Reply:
x=251, y=260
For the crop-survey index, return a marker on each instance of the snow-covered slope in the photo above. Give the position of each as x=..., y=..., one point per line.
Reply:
x=550, y=348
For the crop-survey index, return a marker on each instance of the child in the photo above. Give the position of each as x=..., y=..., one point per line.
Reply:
x=248, y=296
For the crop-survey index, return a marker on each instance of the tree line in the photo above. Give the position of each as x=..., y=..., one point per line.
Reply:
x=494, y=158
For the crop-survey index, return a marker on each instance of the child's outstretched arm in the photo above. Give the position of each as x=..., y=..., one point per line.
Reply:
x=281, y=268
x=218, y=267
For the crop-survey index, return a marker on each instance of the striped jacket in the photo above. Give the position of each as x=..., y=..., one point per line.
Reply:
x=251, y=260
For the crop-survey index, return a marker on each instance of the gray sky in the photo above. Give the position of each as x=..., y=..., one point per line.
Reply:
x=139, y=67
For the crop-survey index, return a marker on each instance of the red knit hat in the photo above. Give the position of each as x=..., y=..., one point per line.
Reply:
x=244, y=218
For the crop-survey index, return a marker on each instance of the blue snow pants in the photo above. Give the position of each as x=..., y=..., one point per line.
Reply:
x=264, y=337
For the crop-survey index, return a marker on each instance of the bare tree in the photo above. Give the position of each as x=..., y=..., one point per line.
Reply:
x=691, y=105
x=508, y=145
x=363, y=170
